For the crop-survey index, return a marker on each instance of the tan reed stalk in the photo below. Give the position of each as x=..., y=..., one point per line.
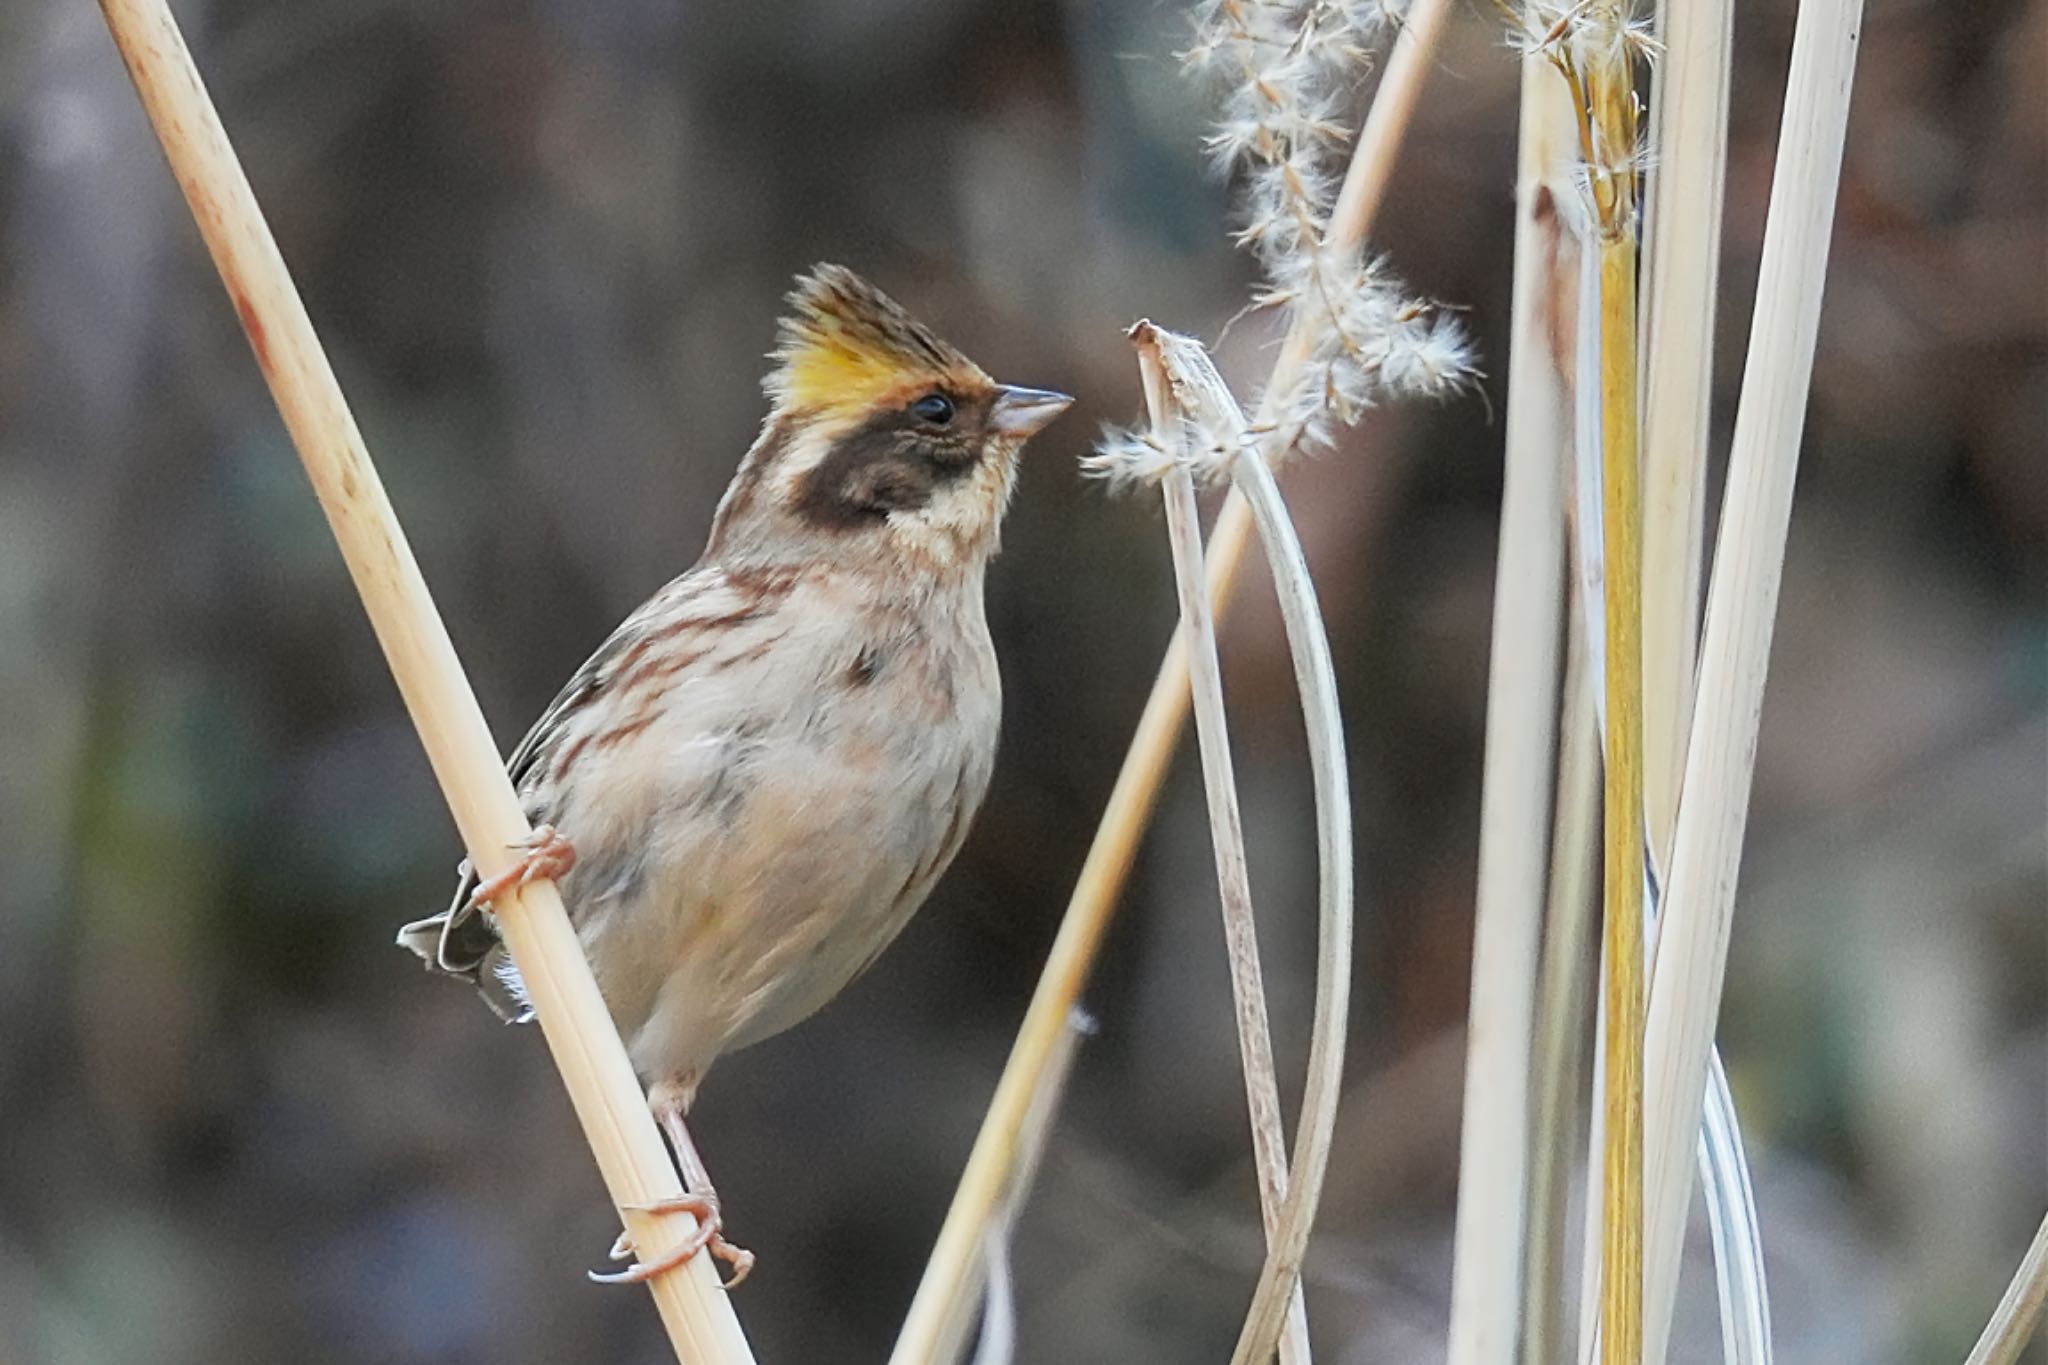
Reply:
x=996, y=1285
x=1132, y=799
x=1749, y=559
x=2012, y=1322
x=1226, y=826
x=1681, y=269
x=1521, y=724
x=601, y=1084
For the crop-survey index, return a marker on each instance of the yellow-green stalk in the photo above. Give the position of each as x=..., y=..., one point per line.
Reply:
x=1593, y=45
x=1613, y=109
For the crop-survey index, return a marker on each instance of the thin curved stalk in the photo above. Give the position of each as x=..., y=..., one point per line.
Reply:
x=1226, y=826
x=2012, y=1322
x=1739, y=1280
x=1722, y=1160
x=1205, y=404
x=1309, y=646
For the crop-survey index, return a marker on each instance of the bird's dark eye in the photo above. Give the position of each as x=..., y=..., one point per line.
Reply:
x=935, y=408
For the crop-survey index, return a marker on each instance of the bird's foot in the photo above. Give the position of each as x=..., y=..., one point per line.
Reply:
x=708, y=1237
x=546, y=855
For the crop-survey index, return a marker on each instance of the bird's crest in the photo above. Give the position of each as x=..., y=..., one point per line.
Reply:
x=846, y=344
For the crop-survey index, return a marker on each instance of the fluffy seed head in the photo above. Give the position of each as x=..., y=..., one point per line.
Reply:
x=1288, y=71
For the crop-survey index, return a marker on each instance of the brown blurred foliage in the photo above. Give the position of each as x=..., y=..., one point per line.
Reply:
x=545, y=242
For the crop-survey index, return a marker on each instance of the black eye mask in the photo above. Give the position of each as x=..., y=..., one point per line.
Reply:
x=893, y=462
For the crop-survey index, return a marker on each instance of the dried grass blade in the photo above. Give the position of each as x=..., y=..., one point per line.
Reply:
x=1742, y=606
x=1681, y=270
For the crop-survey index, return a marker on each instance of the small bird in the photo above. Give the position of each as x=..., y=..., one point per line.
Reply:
x=754, y=782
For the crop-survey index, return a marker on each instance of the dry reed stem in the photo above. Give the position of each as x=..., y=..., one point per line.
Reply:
x=1226, y=825
x=1681, y=269
x=997, y=1344
x=1521, y=723
x=1131, y=800
x=601, y=1084
x=1749, y=558
x=2019, y=1309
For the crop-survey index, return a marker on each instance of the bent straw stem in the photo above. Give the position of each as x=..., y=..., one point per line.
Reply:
x=1226, y=825
x=1315, y=677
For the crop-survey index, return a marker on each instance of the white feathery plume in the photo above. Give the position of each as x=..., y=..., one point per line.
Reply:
x=1288, y=70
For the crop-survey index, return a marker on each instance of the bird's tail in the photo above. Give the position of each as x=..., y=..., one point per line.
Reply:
x=462, y=941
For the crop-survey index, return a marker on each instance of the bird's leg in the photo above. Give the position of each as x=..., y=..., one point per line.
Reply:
x=546, y=856
x=670, y=1102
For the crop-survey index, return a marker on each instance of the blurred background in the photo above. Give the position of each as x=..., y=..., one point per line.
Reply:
x=545, y=242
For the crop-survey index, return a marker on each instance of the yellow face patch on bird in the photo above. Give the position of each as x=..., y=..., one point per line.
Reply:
x=846, y=345
x=886, y=445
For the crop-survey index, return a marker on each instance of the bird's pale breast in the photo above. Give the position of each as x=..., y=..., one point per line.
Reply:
x=789, y=801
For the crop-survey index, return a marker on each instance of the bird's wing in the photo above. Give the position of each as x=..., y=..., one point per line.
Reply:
x=707, y=599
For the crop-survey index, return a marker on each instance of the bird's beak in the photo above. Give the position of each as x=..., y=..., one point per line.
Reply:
x=1020, y=413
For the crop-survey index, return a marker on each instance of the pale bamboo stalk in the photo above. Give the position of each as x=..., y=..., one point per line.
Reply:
x=601, y=1084
x=1742, y=608
x=1681, y=269
x=1226, y=825
x=1131, y=800
x=2019, y=1309
x=1521, y=724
